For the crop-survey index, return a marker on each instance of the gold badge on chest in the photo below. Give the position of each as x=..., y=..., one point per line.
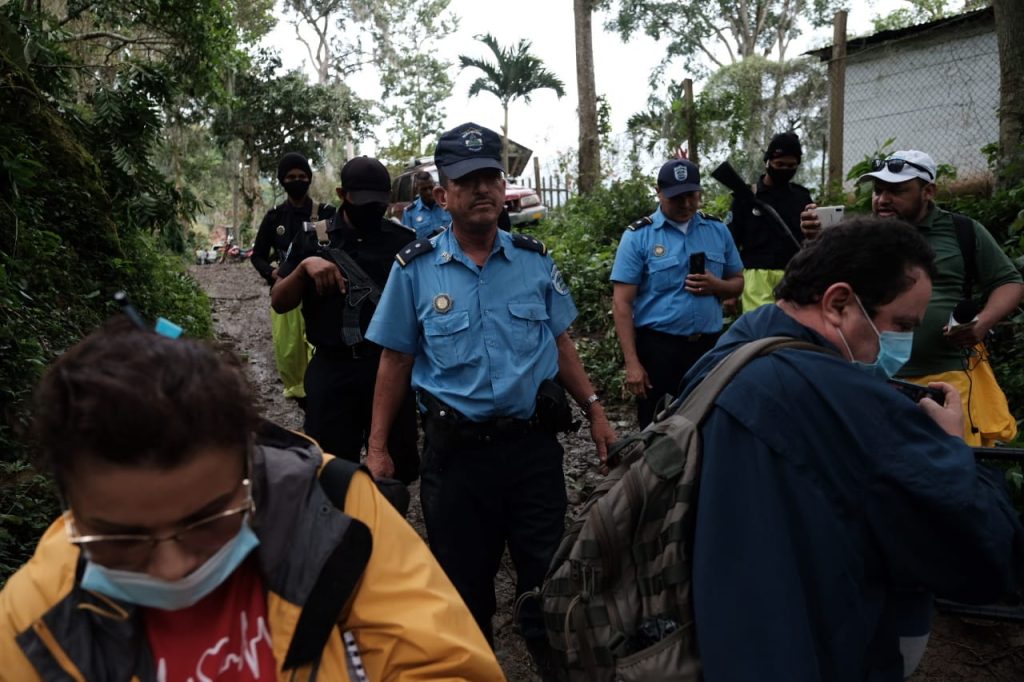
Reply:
x=442, y=303
x=659, y=249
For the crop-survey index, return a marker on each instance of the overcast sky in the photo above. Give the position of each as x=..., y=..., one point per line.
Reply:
x=548, y=124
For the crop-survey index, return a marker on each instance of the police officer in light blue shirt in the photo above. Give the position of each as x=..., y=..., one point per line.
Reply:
x=671, y=271
x=425, y=215
x=475, y=320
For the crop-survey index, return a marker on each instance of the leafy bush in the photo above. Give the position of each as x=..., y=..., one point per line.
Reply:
x=583, y=236
x=74, y=228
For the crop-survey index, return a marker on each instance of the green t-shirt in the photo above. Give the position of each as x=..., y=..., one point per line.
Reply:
x=932, y=352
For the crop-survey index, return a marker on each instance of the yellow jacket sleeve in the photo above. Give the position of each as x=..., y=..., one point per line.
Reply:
x=407, y=618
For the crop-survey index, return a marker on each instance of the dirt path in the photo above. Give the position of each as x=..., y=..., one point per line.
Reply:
x=960, y=649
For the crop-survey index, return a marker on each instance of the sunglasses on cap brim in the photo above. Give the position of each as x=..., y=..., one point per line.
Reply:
x=896, y=166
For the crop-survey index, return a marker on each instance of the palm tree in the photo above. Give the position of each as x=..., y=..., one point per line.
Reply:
x=514, y=74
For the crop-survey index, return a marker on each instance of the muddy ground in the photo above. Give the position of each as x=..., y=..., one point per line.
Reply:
x=959, y=649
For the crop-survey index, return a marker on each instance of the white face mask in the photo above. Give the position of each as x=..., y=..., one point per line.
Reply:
x=145, y=590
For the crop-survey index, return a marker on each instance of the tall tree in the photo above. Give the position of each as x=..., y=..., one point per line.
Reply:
x=514, y=74
x=590, y=144
x=1009, y=29
x=415, y=80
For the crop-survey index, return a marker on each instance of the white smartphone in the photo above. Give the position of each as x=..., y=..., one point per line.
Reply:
x=829, y=215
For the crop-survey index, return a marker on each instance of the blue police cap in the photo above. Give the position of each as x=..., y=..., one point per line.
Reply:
x=467, y=148
x=678, y=176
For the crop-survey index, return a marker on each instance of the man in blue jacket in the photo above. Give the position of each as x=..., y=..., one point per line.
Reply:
x=832, y=506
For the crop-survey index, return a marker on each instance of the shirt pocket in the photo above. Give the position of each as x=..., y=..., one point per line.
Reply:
x=527, y=322
x=665, y=274
x=446, y=338
x=714, y=262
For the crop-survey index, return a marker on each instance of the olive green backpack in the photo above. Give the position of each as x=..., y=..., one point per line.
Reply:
x=617, y=601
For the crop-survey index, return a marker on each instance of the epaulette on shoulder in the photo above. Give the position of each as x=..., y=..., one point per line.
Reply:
x=708, y=216
x=413, y=250
x=525, y=241
x=638, y=224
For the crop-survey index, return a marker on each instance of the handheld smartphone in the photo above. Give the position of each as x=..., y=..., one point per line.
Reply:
x=829, y=215
x=697, y=263
x=915, y=391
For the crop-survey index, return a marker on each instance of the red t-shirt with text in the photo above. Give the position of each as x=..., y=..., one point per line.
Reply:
x=224, y=636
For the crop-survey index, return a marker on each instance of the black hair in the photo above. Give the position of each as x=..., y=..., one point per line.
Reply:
x=423, y=176
x=872, y=255
x=130, y=397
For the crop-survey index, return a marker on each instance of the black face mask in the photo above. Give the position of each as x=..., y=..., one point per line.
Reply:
x=781, y=176
x=296, y=189
x=365, y=216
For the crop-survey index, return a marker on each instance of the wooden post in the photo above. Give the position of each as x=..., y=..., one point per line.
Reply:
x=536, y=176
x=691, y=121
x=836, y=104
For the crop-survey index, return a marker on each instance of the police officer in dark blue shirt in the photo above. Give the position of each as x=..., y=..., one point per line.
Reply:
x=475, y=319
x=337, y=270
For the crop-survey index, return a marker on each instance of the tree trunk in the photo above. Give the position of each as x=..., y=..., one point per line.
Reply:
x=590, y=147
x=504, y=139
x=1009, y=16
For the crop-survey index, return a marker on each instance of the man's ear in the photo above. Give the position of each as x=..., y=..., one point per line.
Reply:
x=341, y=193
x=928, y=192
x=834, y=302
x=440, y=196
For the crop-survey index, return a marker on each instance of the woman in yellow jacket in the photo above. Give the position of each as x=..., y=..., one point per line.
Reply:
x=200, y=543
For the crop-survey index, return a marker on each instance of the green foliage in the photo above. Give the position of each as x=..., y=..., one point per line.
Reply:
x=30, y=505
x=514, y=73
x=83, y=213
x=700, y=32
x=583, y=236
x=916, y=12
x=415, y=80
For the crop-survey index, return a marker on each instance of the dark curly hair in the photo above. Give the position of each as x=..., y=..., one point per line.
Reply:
x=130, y=397
x=871, y=254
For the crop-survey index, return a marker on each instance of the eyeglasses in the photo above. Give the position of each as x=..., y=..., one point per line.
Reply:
x=129, y=550
x=896, y=166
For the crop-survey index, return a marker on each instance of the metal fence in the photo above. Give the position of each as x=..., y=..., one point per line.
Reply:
x=933, y=87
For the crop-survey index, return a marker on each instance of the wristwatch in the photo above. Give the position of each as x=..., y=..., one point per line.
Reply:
x=589, y=403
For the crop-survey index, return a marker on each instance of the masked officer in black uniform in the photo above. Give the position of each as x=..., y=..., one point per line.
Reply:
x=337, y=270
x=763, y=246
x=276, y=233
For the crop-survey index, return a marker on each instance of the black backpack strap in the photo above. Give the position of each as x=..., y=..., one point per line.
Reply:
x=337, y=582
x=968, y=242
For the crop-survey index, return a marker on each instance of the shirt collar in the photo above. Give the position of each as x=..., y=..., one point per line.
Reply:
x=929, y=219
x=447, y=248
x=659, y=221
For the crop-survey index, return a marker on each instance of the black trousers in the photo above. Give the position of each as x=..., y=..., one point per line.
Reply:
x=666, y=358
x=339, y=404
x=478, y=498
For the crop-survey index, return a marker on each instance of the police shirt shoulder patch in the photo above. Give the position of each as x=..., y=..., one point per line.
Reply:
x=638, y=224
x=525, y=241
x=558, y=282
x=413, y=250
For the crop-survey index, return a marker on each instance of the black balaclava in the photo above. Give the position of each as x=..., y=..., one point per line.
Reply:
x=783, y=144
x=296, y=189
x=364, y=217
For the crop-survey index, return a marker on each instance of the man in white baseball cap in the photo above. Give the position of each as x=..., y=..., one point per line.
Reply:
x=977, y=286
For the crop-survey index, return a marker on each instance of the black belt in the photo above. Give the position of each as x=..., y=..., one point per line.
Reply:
x=450, y=424
x=358, y=351
x=688, y=337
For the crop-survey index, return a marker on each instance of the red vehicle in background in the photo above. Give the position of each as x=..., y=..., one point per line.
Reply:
x=523, y=204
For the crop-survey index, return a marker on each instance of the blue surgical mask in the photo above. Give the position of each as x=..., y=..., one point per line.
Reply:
x=893, y=349
x=145, y=590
